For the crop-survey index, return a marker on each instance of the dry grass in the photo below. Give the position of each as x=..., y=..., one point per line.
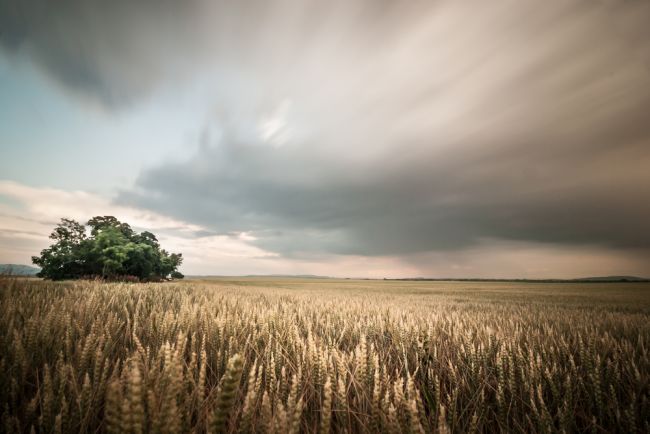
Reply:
x=324, y=356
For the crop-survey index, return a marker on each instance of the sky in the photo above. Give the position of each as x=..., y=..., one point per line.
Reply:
x=366, y=138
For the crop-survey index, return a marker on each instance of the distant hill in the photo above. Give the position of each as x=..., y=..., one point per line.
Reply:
x=18, y=270
x=578, y=280
x=612, y=279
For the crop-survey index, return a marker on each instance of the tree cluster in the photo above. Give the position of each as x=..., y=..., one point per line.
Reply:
x=112, y=251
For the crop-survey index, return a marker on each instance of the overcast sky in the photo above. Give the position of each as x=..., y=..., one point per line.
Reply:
x=372, y=138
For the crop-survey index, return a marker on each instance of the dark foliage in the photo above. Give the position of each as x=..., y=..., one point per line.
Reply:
x=113, y=251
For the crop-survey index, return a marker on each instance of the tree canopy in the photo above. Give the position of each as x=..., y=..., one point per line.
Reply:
x=112, y=251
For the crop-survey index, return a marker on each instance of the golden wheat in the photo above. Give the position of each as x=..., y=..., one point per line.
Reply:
x=323, y=356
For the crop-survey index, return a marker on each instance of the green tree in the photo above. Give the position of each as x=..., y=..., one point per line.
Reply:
x=112, y=251
x=63, y=259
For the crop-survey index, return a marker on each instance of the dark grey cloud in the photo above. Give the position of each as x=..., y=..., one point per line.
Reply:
x=112, y=52
x=378, y=128
x=119, y=52
x=297, y=201
x=511, y=122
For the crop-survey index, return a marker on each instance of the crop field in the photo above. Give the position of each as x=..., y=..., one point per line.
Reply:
x=308, y=355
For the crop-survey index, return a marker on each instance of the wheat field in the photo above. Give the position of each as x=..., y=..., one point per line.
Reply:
x=292, y=355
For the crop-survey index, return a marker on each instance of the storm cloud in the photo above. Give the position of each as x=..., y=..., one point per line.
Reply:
x=378, y=127
x=297, y=201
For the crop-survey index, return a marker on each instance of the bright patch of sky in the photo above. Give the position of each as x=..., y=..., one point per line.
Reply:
x=274, y=128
